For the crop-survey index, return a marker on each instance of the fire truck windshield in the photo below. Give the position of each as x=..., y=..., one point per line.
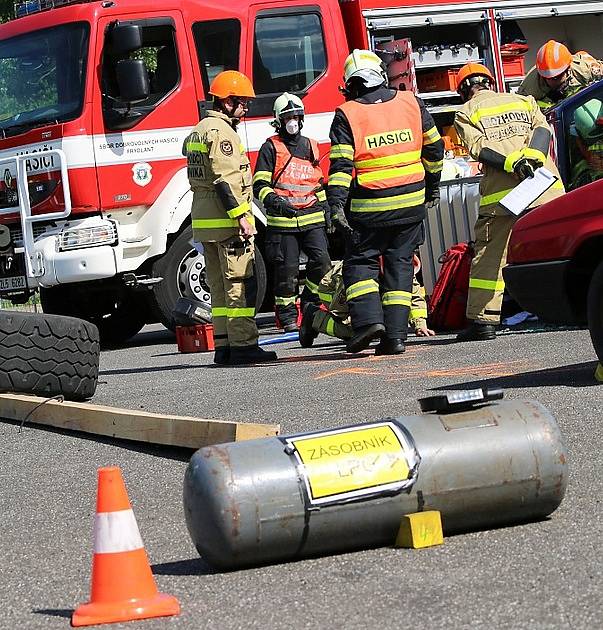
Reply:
x=42, y=77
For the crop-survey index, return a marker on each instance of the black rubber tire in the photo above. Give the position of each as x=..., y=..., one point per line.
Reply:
x=47, y=355
x=595, y=310
x=127, y=318
x=173, y=266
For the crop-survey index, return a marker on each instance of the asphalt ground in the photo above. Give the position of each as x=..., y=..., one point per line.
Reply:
x=545, y=574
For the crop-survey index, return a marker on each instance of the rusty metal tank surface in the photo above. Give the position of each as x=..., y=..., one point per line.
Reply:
x=282, y=498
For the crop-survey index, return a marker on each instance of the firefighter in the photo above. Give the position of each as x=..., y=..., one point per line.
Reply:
x=334, y=319
x=559, y=74
x=220, y=177
x=509, y=136
x=386, y=160
x=289, y=182
x=588, y=123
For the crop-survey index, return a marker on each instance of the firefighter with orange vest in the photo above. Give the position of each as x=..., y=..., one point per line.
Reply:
x=220, y=178
x=509, y=136
x=289, y=182
x=559, y=74
x=386, y=161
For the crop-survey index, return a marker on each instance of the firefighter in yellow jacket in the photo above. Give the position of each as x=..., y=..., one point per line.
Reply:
x=220, y=177
x=288, y=180
x=510, y=137
x=334, y=318
x=559, y=74
x=386, y=161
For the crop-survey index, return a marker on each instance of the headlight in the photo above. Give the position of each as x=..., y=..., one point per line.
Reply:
x=78, y=238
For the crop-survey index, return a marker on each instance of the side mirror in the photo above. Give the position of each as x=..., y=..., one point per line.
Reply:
x=132, y=80
x=125, y=38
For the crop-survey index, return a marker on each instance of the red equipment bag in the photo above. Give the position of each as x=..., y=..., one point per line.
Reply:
x=448, y=300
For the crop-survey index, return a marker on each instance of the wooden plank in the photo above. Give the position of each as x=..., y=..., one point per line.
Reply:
x=126, y=424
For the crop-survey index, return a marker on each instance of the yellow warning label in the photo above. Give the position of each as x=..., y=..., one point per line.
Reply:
x=397, y=136
x=352, y=460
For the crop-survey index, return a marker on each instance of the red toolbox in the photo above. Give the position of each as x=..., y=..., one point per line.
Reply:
x=198, y=338
x=513, y=66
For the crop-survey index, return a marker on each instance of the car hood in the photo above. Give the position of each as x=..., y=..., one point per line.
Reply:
x=555, y=229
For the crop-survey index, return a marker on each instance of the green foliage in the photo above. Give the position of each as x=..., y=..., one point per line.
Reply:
x=6, y=10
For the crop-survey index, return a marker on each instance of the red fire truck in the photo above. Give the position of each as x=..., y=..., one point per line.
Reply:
x=97, y=97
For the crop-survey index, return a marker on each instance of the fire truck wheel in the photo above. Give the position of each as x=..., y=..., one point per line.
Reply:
x=182, y=268
x=595, y=311
x=47, y=355
x=118, y=319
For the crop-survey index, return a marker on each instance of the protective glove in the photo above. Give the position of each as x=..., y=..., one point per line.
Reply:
x=523, y=168
x=339, y=221
x=328, y=223
x=281, y=207
x=432, y=198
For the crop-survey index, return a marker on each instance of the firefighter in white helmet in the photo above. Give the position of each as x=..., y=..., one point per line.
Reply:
x=559, y=74
x=289, y=182
x=386, y=161
x=509, y=136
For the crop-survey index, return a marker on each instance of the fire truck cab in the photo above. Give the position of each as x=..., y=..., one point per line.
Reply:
x=96, y=99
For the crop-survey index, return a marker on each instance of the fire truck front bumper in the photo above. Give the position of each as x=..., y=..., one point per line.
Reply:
x=74, y=252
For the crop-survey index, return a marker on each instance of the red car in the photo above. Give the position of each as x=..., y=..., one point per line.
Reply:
x=555, y=261
x=555, y=258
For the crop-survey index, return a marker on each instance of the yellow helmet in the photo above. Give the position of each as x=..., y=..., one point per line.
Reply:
x=364, y=65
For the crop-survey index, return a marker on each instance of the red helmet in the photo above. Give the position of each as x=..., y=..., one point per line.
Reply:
x=552, y=59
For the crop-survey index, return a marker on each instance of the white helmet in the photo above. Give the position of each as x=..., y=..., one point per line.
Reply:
x=366, y=66
x=287, y=105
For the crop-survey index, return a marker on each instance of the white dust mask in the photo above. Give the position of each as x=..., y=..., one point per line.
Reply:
x=292, y=126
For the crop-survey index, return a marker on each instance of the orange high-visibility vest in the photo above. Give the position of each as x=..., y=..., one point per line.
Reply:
x=388, y=139
x=298, y=179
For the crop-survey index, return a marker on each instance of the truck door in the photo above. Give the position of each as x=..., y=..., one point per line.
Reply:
x=294, y=49
x=138, y=145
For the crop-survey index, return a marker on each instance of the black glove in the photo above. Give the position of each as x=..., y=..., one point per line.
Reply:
x=523, y=168
x=281, y=207
x=328, y=223
x=432, y=198
x=339, y=221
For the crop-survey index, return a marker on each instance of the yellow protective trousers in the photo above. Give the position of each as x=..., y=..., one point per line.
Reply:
x=486, y=284
x=230, y=275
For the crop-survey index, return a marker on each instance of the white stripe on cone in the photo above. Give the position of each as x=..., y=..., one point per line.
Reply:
x=115, y=532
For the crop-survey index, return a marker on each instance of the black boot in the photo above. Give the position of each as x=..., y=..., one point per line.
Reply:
x=390, y=346
x=477, y=331
x=290, y=327
x=242, y=355
x=363, y=336
x=222, y=355
x=307, y=334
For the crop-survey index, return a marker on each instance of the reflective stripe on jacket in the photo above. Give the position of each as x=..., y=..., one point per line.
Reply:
x=503, y=124
x=388, y=138
x=298, y=180
x=219, y=174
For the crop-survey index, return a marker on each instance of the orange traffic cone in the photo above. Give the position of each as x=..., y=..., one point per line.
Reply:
x=123, y=587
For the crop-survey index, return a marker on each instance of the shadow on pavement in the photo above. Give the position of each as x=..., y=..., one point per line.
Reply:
x=177, y=453
x=576, y=375
x=194, y=566
x=54, y=612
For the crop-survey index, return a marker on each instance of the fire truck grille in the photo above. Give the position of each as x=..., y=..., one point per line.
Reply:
x=17, y=234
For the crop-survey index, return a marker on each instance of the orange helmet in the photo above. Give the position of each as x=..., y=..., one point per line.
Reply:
x=231, y=83
x=472, y=70
x=552, y=59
